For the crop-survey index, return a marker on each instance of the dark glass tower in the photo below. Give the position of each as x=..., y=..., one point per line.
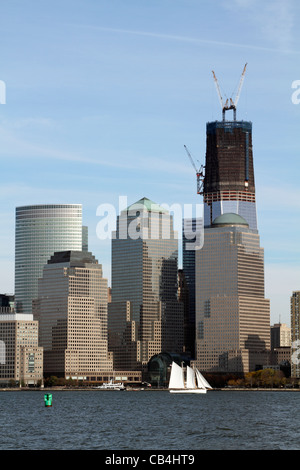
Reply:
x=229, y=185
x=190, y=226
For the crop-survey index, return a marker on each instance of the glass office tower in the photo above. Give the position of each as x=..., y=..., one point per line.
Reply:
x=191, y=234
x=229, y=185
x=42, y=230
x=145, y=316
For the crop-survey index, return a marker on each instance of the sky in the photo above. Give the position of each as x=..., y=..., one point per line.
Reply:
x=102, y=95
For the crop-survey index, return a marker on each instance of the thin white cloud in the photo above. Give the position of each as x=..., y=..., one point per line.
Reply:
x=187, y=39
x=14, y=146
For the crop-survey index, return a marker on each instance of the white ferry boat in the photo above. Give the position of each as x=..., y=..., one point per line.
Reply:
x=111, y=386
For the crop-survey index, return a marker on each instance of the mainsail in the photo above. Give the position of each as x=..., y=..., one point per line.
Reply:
x=176, y=378
x=190, y=378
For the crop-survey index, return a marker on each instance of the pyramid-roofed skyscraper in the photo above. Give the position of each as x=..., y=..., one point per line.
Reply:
x=145, y=316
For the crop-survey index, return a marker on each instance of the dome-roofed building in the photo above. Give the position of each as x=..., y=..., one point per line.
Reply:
x=229, y=219
x=159, y=367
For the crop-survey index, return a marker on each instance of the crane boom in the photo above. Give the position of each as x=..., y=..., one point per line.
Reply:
x=232, y=104
x=199, y=173
x=191, y=160
x=218, y=89
x=240, y=87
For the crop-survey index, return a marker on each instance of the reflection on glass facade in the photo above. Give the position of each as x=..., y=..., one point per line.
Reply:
x=232, y=314
x=145, y=316
x=229, y=185
x=245, y=209
x=42, y=230
x=189, y=266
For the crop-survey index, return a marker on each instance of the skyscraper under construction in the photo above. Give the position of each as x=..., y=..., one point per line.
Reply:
x=232, y=314
x=229, y=175
x=229, y=184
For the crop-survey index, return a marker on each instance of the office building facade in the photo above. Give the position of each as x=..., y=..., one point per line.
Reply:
x=295, y=334
x=21, y=358
x=71, y=309
x=232, y=314
x=280, y=335
x=42, y=230
x=145, y=316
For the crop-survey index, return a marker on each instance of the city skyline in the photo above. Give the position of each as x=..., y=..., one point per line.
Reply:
x=98, y=96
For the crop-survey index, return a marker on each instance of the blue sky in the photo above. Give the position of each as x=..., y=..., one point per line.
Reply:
x=102, y=96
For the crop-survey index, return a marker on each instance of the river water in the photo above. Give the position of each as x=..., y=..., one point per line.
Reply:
x=155, y=420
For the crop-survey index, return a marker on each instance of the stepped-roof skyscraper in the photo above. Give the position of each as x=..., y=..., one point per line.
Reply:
x=232, y=314
x=71, y=308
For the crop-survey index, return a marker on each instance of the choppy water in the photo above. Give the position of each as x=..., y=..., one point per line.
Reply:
x=99, y=420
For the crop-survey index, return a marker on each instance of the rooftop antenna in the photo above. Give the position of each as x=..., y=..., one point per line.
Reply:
x=231, y=104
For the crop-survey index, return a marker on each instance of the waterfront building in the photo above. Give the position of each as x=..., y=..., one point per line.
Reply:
x=159, y=368
x=42, y=230
x=229, y=185
x=21, y=358
x=145, y=316
x=71, y=309
x=295, y=334
x=232, y=314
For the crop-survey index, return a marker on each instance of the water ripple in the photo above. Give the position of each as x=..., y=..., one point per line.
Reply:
x=150, y=420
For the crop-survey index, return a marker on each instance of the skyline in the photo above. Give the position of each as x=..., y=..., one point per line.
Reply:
x=102, y=97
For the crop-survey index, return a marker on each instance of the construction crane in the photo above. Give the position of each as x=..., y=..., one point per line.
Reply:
x=232, y=104
x=199, y=173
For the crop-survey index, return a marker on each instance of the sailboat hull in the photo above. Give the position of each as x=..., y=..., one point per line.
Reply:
x=188, y=390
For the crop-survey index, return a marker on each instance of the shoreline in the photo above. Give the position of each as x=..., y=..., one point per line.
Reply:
x=91, y=389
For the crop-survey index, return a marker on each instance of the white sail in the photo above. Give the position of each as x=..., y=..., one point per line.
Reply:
x=202, y=383
x=176, y=377
x=190, y=378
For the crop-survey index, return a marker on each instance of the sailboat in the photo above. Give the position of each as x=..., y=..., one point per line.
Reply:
x=195, y=382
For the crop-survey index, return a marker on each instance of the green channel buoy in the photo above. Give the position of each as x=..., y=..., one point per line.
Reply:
x=48, y=399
